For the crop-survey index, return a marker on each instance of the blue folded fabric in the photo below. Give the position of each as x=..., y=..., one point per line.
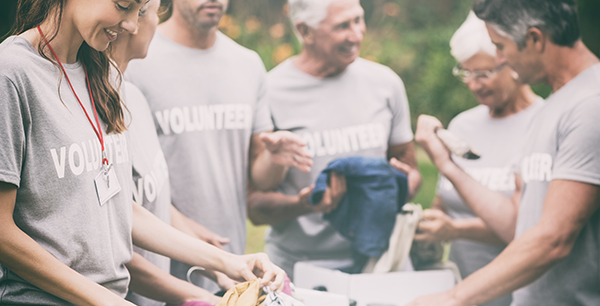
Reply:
x=366, y=215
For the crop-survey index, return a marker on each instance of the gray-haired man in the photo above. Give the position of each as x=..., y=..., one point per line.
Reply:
x=341, y=105
x=555, y=256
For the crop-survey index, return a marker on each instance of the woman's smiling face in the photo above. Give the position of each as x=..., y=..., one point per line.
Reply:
x=100, y=22
x=496, y=91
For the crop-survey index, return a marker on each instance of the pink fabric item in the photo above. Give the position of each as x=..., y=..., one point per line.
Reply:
x=287, y=289
x=193, y=303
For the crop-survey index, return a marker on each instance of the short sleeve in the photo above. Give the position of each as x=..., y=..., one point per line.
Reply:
x=401, y=131
x=578, y=152
x=262, y=115
x=12, y=133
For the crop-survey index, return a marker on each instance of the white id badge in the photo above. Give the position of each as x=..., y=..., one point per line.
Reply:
x=107, y=186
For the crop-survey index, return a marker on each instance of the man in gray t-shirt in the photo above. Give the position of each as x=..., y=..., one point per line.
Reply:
x=207, y=96
x=554, y=258
x=341, y=105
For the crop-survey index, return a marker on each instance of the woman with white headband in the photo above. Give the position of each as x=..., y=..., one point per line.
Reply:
x=496, y=130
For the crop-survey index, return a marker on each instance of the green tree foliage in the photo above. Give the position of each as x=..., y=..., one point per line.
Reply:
x=409, y=36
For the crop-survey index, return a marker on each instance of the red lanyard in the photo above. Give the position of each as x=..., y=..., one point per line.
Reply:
x=99, y=130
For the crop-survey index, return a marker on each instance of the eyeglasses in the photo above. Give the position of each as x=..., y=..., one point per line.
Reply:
x=479, y=75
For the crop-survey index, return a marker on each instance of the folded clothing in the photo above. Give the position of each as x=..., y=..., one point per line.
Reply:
x=193, y=303
x=251, y=293
x=248, y=293
x=375, y=192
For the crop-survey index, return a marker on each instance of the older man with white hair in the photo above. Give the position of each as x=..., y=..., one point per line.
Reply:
x=341, y=105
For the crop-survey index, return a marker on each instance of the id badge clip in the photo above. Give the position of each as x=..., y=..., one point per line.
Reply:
x=107, y=183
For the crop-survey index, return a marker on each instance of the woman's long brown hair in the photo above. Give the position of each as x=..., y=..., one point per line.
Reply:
x=31, y=13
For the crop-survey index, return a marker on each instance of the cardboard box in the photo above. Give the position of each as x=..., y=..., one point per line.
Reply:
x=318, y=298
x=395, y=288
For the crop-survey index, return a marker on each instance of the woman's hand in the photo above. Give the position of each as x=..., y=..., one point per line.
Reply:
x=436, y=226
x=252, y=266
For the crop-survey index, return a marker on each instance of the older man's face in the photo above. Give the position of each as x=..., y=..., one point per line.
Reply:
x=526, y=61
x=339, y=36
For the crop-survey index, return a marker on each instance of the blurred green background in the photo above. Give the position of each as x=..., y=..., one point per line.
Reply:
x=409, y=36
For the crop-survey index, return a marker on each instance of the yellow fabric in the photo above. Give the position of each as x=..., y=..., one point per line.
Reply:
x=245, y=294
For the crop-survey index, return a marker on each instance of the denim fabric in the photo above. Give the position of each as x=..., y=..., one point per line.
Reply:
x=376, y=191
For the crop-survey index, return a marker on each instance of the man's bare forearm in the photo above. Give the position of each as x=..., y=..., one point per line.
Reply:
x=495, y=209
x=471, y=228
x=498, y=211
x=477, y=230
x=274, y=207
x=538, y=249
x=264, y=174
x=522, y=262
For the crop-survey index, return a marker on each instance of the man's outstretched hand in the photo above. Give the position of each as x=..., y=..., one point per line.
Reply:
x=287, y=149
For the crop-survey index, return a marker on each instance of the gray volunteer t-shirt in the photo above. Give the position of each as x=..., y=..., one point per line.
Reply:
x=564, y=144
x=499, y=141
x=361, y=112
x=150, y=174
x=206, y=106
x=51, y=153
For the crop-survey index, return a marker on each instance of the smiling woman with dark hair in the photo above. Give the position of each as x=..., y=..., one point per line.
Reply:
x=66, y=213
x=65, y=236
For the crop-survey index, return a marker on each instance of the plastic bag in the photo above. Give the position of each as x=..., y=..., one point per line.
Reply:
x=279, y=299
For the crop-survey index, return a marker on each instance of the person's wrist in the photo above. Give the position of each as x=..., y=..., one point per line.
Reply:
x=299, y=203
x=446, y=166
x=226, y=262
x=457, y=297
x=267, y=156
x=113, y=300
x=302, y=201
x=297, y=200
x=200, y=294
x=455, y=231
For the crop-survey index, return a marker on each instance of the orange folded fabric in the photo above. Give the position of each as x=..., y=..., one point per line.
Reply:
x=245, y=294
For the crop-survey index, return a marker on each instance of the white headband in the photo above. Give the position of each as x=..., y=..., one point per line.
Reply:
x=472, y=37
